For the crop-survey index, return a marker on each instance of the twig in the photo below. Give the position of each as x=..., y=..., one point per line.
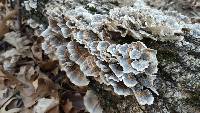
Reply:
x=19, y=19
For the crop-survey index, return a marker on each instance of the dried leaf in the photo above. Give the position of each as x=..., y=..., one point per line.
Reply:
x=35, y=84
x=37, y=51
x=13, y=110
x=54, y=110
x=5, y=95
x=74, y=102
x=3, y=29
x=67, y=107
x=45, y=105
x=31, y=74
x=15, y=39
x=28, y=88
x=10, y=53
x=3, y=1
x=46, y=87
x=10, y=14
x=48, y=65
x=2, y=80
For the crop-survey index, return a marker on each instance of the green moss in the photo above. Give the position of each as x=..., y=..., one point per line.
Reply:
x=166, y=76
x=93, y=10
x=167, y=55
x=194, y=99
x=83, y=2
x=107, y=100
x=195, y=54
x=112, y=103
x=98, y=88
x=117, y=38
x=115, y=3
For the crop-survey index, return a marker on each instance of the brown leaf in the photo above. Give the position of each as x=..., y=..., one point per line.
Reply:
x=2, y=80
x=67, y=107
x=46, y=87
x=27, y=98
x=5, y=95
x=35, y=84
x=19, y=42
x=3, y=1
x=13, y=110
x=37, y=50
x=44, y=105
x=76, y=100
x=48, y=65
x=15, y=103
x=10, y=15
x=3, y=29
x=43, y=87
x=28, y=88
x=31, y=74
x=54, y=110
x=26, y=110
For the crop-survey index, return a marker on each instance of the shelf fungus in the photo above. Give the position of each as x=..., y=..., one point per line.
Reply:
x=83, y=47
x=83, y=43
x=120, y=66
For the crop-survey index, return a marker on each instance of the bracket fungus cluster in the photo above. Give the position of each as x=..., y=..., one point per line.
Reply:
x=82, y=43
